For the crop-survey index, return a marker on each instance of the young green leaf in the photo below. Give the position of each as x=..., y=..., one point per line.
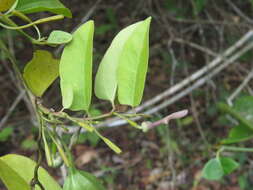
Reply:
x=133, y=65
x=216, y=168
x=244, y=106
x=6, y=5
x=57, y=37
x=21, y=171
x=106, y=77
x=228, y=165
x=41, y=72
x=34, y=6
x=80, y=180
x=6, y=133
x=115, y=61
x=76, y=69
x=238, y=133
x=213, y=170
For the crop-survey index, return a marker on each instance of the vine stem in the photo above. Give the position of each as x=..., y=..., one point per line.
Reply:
x=237, y=149
x=35, y=181
x=39, y=21
x=27, y=19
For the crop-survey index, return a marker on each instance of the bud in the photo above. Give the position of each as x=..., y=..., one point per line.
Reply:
x=81, y=180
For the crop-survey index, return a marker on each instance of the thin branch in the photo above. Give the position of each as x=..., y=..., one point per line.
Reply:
x=239, y=89
x=239, y=12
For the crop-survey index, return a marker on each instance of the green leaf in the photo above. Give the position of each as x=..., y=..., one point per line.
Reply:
x=5, y=133
x=133, y=65
x=244, y=106
x=106, y=80
x=228, y=165
x=20, y=173
x=11, y=179
x=127, y=52
x=213, y=170
x=216, y=168
x=80, y=180
x=34, y=6
x=76, y=69
x=57, y=37
x=29, y=144
x=41, y=72
x=237, y=115
x=238, y=134
x=6, y=5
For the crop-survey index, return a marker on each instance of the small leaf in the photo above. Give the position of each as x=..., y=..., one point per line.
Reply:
x=41, y=72
x=216, y=168
x=59, y=37
x=21, y=171
x=5, y=133
x=244, y=106
x=238, y=134
x=213, y=170
x=76, y=69
x=80, y=180
x=34, y=6
x=133, y=65
x=6, y=5
x=228, y=165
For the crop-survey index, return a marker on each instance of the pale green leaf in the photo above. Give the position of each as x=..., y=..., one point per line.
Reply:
x=133, y=65
x=213, y=170
x=217, y=167
x=59, y=37
x=76, y=69
x=244, y=106
x=41, y=72
x=24, y=168
x=106, y=77
x=109, y=76
x=6, y=5
x=33, y=6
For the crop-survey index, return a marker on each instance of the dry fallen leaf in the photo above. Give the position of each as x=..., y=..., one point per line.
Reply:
x=85, y=158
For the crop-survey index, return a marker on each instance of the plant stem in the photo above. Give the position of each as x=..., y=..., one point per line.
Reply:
x=39, y=21
x=132, y=123
x=6, y=20
x=237, y=149
x=25, y=18
x=35, y=181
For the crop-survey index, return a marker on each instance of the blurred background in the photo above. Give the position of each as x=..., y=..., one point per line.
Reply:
x=185, y=36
